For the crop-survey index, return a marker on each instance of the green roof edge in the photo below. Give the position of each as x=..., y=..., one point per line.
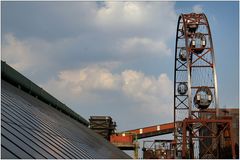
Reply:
x=15, y=78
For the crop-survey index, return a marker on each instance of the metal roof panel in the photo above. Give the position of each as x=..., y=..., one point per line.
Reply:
x=33, y=129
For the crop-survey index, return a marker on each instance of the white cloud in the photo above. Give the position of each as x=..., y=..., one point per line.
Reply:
x=16, y=53
x=125, y=12
x=154, y=94
x=197, y=8
x=89, y=78
x=142, y=19
x=81, y=82
x=33, y=54
x=145, y=46
x=147, y=94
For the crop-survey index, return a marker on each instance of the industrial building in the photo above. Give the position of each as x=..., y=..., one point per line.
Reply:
x=234, y=113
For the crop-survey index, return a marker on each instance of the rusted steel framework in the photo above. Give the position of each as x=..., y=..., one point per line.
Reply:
x=102, y=125
x=195, y=85
x=152, y=131
x=158, y=149
x=194, y=65
x=209, y=139
x=128, y=140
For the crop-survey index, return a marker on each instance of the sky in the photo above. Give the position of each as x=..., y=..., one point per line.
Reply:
x=114, y=58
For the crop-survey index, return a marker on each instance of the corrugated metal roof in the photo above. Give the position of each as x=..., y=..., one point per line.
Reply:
x=32, y=129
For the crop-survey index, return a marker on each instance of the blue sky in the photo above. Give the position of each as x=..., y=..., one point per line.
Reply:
x=114, y=58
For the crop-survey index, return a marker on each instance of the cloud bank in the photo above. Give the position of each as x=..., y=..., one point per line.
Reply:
x=149, y=95
x=97, y=57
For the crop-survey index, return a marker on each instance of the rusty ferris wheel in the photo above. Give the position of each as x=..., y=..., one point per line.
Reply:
x=195, y=91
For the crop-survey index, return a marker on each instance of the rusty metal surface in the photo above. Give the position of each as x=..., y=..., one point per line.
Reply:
x=212, y=135
x=33, y=129
x=162, y=148
x=103, y=125
x=151, y=131
x=196, y=70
